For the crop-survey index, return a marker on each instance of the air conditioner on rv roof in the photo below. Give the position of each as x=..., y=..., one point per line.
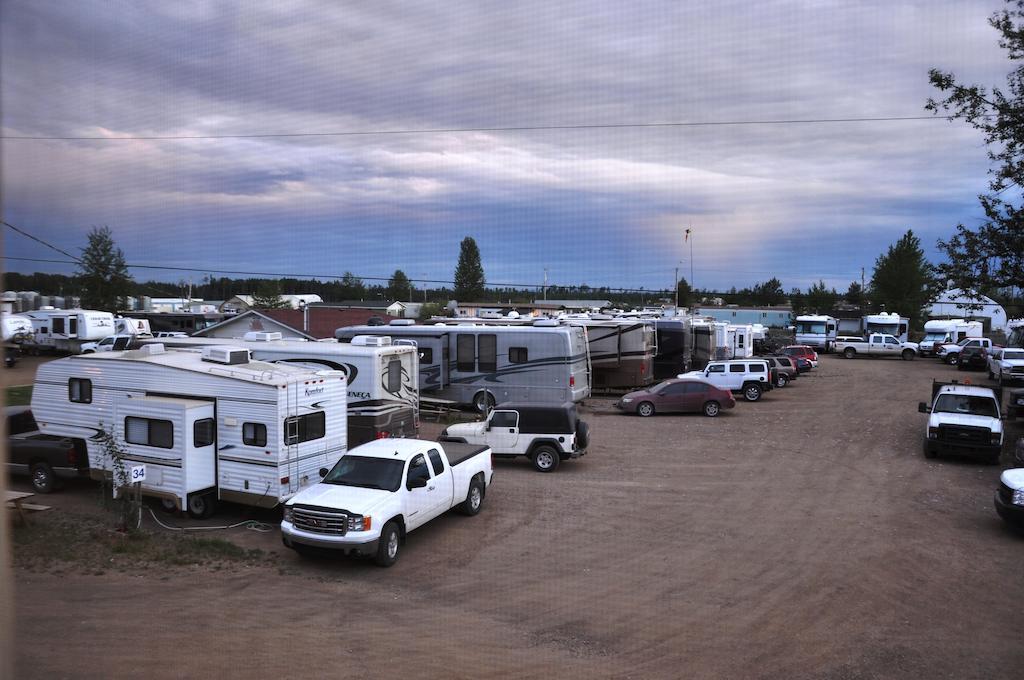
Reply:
x=402, y=322
x=222, y=354
x=371, y=340
x=262, y=336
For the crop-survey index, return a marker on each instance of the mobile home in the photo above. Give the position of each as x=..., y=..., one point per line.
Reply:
x=207, y=426
x=383, y=377
x=483, y=365
x=64, y=330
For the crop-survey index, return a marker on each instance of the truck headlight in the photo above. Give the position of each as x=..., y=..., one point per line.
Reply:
x=359, y=523
x=997, y=438
x=288, y=513
x=1018, y=496
x=1020, y=400
x=933, y=433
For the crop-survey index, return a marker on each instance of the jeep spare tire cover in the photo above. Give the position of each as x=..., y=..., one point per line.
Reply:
x=582, y=434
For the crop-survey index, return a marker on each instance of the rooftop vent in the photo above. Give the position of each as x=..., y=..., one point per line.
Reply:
x=546, y=322
x=402, y=322
x=262, y=336
x=222, y=354
x=371, y=340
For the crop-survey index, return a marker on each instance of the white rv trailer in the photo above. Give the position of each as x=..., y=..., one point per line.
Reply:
x=889, y=323
x=64, y=330
x=383, y=378
x=16, y=327
x=128, y=326
x=484, y=365
x=817, y=331
x=207, y=425
x=741, y=340
x=947, y=332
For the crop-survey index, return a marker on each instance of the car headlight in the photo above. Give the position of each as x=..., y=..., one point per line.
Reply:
x=359, y=523
x=933, y=433
x=288, y=513
x=626, y=400
x=1018, y=497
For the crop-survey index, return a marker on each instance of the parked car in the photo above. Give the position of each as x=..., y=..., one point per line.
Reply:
x=678, y=395
x=47, y=459
x=785, y=368
x=950, y=354
x=973, y=357
x=1009, y=500
x=963, y=420
x=1006, y=364
x=805, y=351
x=380, y=491
x=546, y=435
x=749, y=377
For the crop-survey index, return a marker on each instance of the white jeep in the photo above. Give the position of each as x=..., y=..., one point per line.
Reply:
x=749, y=377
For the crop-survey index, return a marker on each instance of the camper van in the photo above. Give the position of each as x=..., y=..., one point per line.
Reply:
x=64, y=330
x=383, y=377
x=208, y=426
x=817, y=331
x=938, y=332
x=544, y=363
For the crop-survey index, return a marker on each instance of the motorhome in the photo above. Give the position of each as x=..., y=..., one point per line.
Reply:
x=886, y=323
x=817, y=331
x=383, y=376
x=939, y=332
x=622, y=351
x=208, y=426
x=64, y=330
x=471, y=363
x=675, y=346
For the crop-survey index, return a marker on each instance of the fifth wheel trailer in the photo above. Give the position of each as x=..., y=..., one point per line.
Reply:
x=210, y=426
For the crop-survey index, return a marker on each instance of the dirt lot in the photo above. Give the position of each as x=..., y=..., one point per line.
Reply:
x=801, y=537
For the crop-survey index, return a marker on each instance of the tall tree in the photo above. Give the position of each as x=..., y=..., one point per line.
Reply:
x=854, y=294
x=992, y=255
x=469, y=273
x=352, y=287
x=684, y=292
x=768, y=293
x=102, y=272
x=268, y=296
x=399, y=286
x=820, y=299
x=903, y=280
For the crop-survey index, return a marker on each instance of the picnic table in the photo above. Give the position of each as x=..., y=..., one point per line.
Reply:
x=16, y=501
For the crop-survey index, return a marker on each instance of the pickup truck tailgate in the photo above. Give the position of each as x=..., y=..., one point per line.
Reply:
x=459, y=452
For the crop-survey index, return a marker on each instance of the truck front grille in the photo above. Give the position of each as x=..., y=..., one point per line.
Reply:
x=319, y=521
x=964, y=434
x=1017, y=370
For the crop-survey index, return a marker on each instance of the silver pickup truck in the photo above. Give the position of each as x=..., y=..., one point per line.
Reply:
x=876, y=345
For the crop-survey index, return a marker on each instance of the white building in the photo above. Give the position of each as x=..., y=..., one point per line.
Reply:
x=953, y=303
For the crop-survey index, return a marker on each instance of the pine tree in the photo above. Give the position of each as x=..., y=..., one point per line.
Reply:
x=469, y=274
x=102, y=272
x=268, y=296
x=399, y=286
x=903, y=280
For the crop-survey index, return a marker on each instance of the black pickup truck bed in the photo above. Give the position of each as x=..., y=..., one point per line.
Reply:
x=459, y=452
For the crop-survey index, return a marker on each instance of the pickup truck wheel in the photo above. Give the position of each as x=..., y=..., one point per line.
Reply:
x=388, y=546
x=929, y=452
x=951, y=359
x=752, y=392
x=712, y=409
x=782, y=380
x=645, y=409
x=849, y=352
x=908, y=355
x=474, y=499
x=201, y=506
x=42, y=478
x=545, y=459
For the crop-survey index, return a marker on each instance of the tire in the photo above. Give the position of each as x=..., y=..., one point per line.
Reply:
x=907, y=355
x=752, y=392
x=43, y=480
x=582, y=435
x=951, y=359
x=483, y=402
x=782, y=380
x=474, y=498
x=994, y=459
x=545, y=459
x=389, y=546
x=849, y=353
x=168, y=506
x=929, y=452
x=712, y=409
x=201, y=506
x=645, y=409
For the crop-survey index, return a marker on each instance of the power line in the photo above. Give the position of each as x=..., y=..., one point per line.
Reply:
x=39, y=240
x=513, y=128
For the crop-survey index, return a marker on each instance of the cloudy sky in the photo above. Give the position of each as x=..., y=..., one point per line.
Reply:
x=594, y=205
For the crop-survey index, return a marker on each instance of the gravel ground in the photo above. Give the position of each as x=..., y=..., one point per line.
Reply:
x=804, y=536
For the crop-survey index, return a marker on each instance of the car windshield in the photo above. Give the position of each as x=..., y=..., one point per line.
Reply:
x=966, y=404
x=369, y=473
x=964, y=342
x=809, y=327
x=1017, y=354
x=934, y=336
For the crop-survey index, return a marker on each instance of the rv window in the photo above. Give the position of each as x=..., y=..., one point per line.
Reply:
x=72, y=326
x=739, y=341
x=465, y=359
x=737, y=368
x=488, y=352
x=517, y=355
x=202, y=433
x=254, y=434
x=80, y=390
x=426, y=355
x=435, y=460
x=304, y=428
x=58, y=325
x=149, y=432
x=394, y=377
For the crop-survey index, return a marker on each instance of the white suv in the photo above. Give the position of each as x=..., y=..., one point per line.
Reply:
x=1006, y=364
x=749, y=377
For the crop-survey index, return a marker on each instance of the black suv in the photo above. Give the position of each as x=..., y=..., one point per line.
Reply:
x=974, y=358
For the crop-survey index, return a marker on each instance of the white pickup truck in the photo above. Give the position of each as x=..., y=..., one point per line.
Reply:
x=378, y=492
x=963, y=420
x=877, y=345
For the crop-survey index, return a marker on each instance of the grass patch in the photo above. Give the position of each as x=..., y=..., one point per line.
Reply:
x=19, y=395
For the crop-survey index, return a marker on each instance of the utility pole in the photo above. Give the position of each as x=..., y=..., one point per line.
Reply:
x=545, y=284
x=677, y=288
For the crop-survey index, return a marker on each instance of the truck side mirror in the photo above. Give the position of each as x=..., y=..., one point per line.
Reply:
x=323, y=472
x=923, y=407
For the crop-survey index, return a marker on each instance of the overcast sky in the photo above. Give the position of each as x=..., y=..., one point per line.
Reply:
x=601, y=206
